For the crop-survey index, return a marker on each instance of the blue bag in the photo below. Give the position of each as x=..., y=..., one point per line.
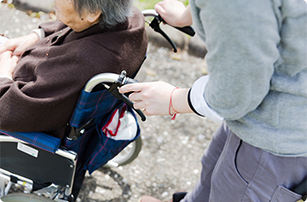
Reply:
x=96, y=146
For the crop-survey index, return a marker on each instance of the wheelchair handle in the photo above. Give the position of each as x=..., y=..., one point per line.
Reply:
x=155, y=25
x=98, y=79
x=112, y=82
x=152, y=13
x=105, y=79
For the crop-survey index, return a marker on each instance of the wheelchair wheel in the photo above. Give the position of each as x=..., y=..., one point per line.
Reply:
x=128, y=154
x=21, y=197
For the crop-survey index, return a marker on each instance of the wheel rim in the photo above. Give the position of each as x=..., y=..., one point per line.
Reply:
x=125, y=154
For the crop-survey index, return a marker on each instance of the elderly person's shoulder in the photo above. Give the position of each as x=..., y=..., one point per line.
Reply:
x=136, y=17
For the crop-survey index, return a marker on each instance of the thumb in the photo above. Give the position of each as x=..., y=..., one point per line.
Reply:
x=2, y=49
x=159, y=9
x=15, y=59
x=18, y=51
x=7, y=47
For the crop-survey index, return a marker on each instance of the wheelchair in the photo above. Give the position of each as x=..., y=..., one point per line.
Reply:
x=45, y=168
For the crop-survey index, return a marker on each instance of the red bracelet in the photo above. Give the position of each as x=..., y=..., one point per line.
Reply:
x=171, y=105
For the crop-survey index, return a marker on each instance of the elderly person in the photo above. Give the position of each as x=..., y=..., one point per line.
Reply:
x=43, y=73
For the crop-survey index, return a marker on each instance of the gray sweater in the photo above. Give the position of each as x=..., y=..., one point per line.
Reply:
x=257, y=60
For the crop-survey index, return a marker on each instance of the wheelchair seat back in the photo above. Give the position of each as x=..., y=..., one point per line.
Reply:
x=18, y=158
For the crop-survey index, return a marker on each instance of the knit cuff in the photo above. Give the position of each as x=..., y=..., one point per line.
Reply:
x=198, y=101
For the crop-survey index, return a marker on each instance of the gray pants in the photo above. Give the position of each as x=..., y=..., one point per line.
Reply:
x=234, y=171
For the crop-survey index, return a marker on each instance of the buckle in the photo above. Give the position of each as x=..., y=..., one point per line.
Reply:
x=75, y=133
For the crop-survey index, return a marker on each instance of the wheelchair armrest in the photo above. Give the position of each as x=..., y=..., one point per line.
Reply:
x=40, y=140
x=98, y=79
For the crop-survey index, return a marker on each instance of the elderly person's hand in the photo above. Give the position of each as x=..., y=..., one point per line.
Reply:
x=158, y=98
x=174, y=13
x=8, y=63
x=20, y=44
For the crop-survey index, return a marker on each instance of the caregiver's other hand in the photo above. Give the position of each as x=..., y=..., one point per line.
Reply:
x=174, y=13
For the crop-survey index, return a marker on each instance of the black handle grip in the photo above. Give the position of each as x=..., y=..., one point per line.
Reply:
x=130, y=104
x=188, y=30
x=128, y=80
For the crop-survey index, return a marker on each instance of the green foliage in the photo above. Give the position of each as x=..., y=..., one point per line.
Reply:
x=149, y=4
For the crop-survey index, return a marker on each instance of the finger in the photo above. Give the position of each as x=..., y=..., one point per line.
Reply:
x=15, y=59
x=18, y=51
x=139, y=105
x=6, y=54
x=146, y=113
x=6, y=47
x=131, y=88
x=135, y=97
x=159, y=9
x=2, y=49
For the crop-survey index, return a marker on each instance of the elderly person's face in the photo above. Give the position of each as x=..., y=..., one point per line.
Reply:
x=66, y=13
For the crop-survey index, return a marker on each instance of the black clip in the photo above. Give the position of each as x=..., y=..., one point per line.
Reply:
x=75, y=133
x=121, y=77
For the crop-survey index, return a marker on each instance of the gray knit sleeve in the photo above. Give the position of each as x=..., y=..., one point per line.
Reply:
x=241, y=38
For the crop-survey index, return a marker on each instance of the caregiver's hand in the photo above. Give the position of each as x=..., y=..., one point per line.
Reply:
x=154, y=98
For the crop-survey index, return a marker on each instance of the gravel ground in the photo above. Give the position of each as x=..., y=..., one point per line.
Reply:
x=170, y=157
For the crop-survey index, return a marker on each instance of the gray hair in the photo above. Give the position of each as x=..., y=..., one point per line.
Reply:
x=113, y=12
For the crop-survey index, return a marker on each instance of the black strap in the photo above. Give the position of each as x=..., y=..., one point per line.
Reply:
x=14, y=179
x=38, y=186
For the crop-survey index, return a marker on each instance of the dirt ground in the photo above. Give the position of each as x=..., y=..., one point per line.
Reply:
x=170, y=157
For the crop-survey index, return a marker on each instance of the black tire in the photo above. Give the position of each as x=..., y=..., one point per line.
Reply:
x=130, y=153
x=22, y=197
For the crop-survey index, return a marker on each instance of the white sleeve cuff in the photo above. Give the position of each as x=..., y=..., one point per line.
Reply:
x=40, y=33
x=8, y=77
x=198, y=101
x=3, y=39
